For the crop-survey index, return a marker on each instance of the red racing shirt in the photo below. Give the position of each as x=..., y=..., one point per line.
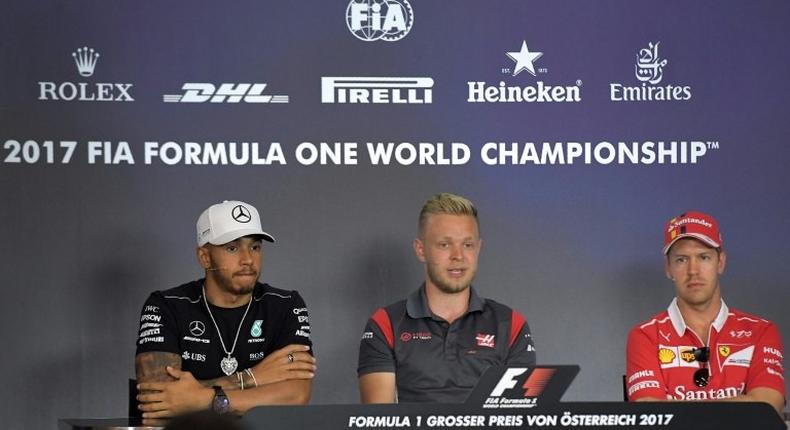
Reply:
x=745, y=352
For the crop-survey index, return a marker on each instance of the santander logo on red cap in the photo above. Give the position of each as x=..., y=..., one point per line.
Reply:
x=692, y=224
x=675, y=223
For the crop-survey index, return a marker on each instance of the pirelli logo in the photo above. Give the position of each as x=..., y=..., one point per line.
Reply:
x=377, y=90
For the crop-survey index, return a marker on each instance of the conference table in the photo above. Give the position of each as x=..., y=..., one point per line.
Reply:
x=505, y=398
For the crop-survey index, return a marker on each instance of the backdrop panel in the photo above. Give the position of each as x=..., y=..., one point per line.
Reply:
x=633, y=112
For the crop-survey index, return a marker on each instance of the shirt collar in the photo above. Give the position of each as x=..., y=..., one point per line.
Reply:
x=417, y=303
x=680, y=325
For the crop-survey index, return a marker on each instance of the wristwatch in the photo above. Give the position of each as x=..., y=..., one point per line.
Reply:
x=221, y=403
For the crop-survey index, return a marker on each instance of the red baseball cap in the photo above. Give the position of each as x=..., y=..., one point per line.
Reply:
x=697, y=225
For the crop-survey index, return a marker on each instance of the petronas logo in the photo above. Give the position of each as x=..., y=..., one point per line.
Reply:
x=256, y=330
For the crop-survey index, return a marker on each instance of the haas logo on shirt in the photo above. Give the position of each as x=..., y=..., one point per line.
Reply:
x=486, y=340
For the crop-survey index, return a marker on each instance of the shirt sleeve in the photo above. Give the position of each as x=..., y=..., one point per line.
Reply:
x=158, y=330
x=376, y=352
x=767, y=367
x=295, y=324
x=521, y=349
x=643, y=372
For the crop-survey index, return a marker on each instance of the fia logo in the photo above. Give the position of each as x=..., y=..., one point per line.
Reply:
x=372, y=20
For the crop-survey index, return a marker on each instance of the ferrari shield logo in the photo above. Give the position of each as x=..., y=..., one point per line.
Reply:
x=724, y=350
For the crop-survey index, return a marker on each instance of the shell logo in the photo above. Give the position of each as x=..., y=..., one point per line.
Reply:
x=666, y=356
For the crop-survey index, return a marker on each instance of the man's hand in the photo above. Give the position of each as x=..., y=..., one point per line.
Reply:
x=168, y=399
x=290, y=362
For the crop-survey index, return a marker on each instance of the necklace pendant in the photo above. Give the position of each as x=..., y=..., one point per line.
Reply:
x=229, y=365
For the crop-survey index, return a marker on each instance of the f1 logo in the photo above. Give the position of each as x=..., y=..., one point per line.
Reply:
x=533, y=386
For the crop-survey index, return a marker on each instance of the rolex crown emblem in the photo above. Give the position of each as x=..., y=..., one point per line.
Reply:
x=86, y=59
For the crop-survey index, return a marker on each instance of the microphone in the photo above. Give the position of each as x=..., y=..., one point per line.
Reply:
x=216, y=268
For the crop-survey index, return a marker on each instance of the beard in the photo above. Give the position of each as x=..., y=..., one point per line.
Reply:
x=449, y=286
x=225, y=282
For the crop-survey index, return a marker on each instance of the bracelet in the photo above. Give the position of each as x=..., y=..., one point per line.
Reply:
x=241, y=380
x=252, y=375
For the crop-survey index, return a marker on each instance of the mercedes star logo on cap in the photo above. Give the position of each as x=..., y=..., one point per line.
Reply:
x=197, y=328
x=241, y=214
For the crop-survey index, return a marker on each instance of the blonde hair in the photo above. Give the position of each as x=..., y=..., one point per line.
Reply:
x=448, y=204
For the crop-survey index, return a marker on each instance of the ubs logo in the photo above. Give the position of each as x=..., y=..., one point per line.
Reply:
x=197, y=328
x=241, y=214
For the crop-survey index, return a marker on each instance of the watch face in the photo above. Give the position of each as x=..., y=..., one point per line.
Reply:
x=221, y=404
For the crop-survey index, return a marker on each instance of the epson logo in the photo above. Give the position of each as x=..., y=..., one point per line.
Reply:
x=85, y=60
x=201, y=92
x=384, y=90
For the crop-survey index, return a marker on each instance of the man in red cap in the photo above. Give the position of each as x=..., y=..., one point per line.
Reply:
x=699, y=349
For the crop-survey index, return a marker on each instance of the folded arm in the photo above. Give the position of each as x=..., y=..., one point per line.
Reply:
x=167, y=391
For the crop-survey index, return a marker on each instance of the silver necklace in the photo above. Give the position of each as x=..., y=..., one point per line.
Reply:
x=229, y=363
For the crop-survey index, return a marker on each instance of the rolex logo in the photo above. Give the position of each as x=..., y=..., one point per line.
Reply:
x=86, y=59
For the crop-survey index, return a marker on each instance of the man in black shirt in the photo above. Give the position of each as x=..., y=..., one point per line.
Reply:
x=227, y=341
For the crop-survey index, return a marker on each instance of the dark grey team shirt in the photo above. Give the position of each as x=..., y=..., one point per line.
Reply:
x=434, y=361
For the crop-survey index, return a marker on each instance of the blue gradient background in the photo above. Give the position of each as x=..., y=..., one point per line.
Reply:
x=575, y=248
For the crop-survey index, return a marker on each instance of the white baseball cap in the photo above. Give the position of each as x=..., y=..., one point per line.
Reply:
x=228, y=221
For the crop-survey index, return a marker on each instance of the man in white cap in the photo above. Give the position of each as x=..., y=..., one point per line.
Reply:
x=225, y=342
x=699, y=349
